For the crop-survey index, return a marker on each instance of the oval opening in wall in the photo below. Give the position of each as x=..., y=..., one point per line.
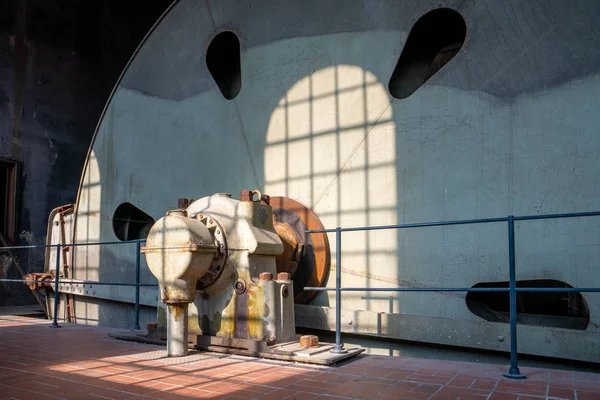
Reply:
x=224, y=64
x=432, y=42
x=567, y=310
x=131, y=223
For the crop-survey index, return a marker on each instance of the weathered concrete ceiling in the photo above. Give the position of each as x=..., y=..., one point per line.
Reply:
x=529, y=45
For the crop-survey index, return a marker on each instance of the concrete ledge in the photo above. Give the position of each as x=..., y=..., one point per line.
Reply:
x=533, y=340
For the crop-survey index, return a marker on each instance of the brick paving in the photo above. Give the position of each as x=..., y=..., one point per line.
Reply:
x=80, y=362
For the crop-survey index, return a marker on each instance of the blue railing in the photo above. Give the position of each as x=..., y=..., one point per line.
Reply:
x=58, y=247
x=513, y=372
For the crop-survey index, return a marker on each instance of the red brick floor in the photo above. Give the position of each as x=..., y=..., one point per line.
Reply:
x=79, y=362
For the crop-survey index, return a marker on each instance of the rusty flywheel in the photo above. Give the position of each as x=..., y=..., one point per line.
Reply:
x=306, y=257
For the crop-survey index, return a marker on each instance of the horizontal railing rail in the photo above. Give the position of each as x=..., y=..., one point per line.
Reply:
x=57, y=280
x=513, y=372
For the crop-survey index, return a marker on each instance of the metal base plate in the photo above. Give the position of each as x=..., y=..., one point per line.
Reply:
x=517, y=376
x=291, y=351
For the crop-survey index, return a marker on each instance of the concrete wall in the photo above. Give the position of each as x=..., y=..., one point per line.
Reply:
x=59, y=61
x=509, y=126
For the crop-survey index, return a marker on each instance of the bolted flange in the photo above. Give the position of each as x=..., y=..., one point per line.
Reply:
x=218, y=264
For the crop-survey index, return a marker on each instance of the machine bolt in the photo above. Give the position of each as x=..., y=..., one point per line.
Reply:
x=308, y=341
x=285, y=292
x=265, y=276
x=240, y=287
x=283, y=276
x=500, y=338
x=246, y=195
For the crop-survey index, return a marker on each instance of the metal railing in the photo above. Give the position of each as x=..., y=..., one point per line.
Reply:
x=513, y=372
x=58, y=247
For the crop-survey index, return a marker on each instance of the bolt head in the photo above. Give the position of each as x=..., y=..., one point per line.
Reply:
x=266, y=276
x=283, y=276
x=240, y=287
x=308, y=341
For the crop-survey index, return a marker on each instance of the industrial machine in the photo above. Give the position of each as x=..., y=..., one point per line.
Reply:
x=229, y=271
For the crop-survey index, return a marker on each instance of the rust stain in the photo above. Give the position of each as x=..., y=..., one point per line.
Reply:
x=286, y=261
x=255, y=311
x=227, y=319
x=177, y=312
x=42, y=280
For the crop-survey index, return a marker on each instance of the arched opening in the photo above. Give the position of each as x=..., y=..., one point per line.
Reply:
x=432, y=42
x=131, y=223
x=567, y=310
x=223, y=62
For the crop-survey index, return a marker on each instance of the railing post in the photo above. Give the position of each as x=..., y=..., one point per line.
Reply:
x=136, y=324
x=339, y=347
x=513, y=372
x=57, y=269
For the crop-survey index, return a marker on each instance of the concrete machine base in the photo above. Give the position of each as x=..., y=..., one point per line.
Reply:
x=291, y=351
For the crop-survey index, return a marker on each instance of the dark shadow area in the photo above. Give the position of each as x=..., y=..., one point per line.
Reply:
x=59, y=61
x=432, y=42
x=223, y=62
x=551, y=309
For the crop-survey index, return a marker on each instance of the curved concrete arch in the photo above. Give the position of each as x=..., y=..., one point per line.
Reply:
x=507, y=127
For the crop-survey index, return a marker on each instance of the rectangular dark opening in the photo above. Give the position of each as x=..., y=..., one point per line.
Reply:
x=8, y=200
